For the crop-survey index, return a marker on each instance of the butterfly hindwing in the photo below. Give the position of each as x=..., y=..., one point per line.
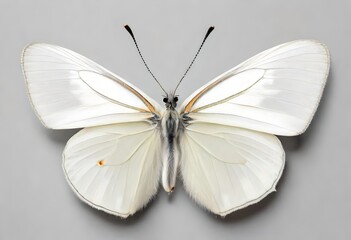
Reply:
x=114, y=168
x=226, y=168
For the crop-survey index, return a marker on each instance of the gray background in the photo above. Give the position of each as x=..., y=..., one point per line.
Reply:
x=313, y=198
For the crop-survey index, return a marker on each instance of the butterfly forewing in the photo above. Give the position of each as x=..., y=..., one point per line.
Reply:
x=282, y=101
x=67, y=90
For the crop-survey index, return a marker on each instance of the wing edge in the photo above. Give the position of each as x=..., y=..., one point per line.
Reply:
x=27, y=85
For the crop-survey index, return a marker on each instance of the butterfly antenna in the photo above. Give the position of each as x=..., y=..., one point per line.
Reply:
x=197, y=53
x=142, y=58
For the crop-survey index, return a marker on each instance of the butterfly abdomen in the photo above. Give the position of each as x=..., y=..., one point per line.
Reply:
x=170, y=156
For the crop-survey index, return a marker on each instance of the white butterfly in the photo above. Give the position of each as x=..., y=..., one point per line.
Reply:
x=221, y=138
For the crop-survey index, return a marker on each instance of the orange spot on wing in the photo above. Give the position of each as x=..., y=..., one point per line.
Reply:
x=101, y=163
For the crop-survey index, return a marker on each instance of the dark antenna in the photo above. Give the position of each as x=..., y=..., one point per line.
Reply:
x=147, y=67
x=197, y=53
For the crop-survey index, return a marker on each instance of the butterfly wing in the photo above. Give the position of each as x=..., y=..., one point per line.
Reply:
x=68, y=90
x=227, y=168
x=230, y=158
x=276, y=91
x=113, y=164
x=114, y=168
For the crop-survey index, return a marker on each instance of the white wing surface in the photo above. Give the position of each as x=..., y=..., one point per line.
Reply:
x=276, y=91
x=68, y=90
x=226, y=168
x=114, y=168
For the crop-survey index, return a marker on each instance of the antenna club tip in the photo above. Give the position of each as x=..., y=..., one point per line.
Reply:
x=129, y=30
x=210, y=29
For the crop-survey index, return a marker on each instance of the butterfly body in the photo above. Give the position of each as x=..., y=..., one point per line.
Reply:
x=171, y=125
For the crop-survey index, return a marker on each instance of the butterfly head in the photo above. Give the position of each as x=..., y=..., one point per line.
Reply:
x=170, y=100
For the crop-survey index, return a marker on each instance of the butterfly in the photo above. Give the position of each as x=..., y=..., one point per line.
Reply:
x=221, y=139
